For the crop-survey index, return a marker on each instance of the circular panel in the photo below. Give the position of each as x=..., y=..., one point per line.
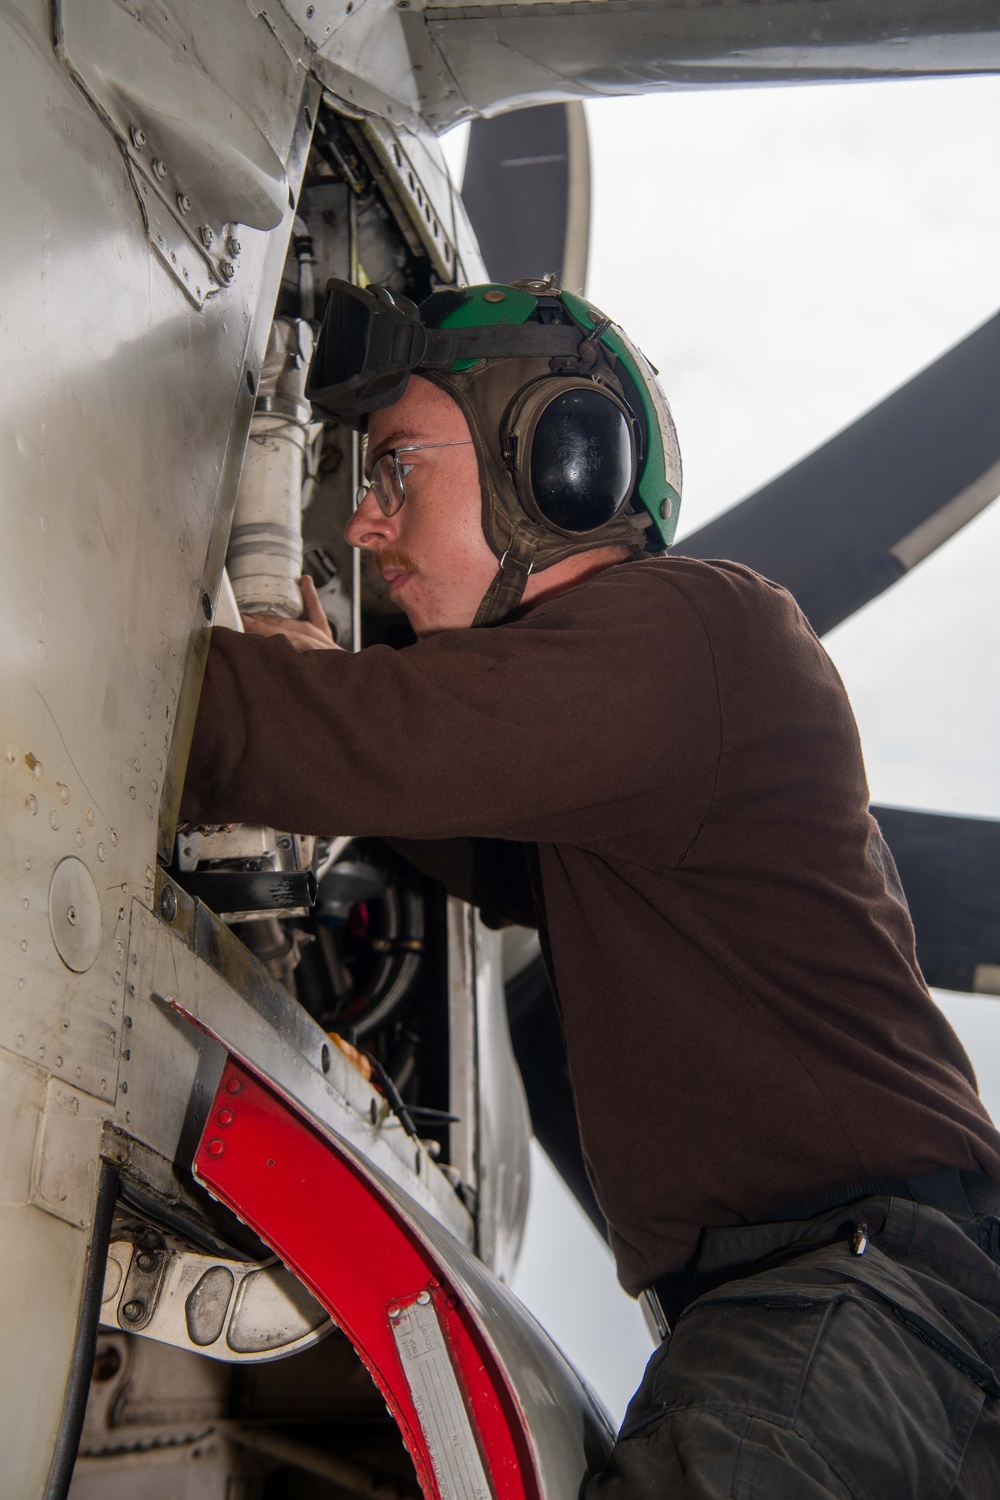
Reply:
x=75, y=914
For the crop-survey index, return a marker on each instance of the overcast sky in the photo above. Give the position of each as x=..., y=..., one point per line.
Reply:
x=786, y=257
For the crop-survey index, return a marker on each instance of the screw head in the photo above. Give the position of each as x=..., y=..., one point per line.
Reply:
x=207, y=235
x=160, y=168
x=394, y=1311
x=423, y=1298
x=227, y=269
x=234, y=246
x=235, y=1086
x=146, y=1261
x=216, y=1148
x=132, y=1312
x=184, y=203
x=71, y=916
x=168, y=903
x=138, y=137
x=225, y=1117
x=206, y=606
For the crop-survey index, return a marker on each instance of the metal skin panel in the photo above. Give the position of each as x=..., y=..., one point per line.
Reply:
x=435, y=62
x=504, y=1125
x=504, y=56
x=366, y=1252
x=255, y=1018
x=488, y=1143
x=123, y=414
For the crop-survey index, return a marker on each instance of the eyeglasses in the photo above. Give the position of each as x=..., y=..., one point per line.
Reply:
x=387, y=483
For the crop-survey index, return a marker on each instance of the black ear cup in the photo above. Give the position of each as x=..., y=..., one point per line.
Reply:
x=581, y=460
x=571, y=446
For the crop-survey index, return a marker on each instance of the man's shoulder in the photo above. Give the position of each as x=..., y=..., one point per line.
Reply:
x=713, y=590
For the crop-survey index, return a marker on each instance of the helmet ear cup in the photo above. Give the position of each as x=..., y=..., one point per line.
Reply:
x=571, y=444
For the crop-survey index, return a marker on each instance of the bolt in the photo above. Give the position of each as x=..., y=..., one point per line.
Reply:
x=207, y=236
x=225, y=1117
x=184, y=203
x=132, y=1312
x=216, y=1148
x=666, y=508
x=234, y=1086
x=234, y=246
x=228, y=270
x=160, y=168
x=168, y=904
x=146, y=1261
x=394, y=1311
x=138, y=137
x=423, y=1298
x=206, y=606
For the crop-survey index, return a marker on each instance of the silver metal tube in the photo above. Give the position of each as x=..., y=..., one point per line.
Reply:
x=264, y=560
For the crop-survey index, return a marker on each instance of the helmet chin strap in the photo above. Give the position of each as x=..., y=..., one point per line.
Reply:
x=505, y=592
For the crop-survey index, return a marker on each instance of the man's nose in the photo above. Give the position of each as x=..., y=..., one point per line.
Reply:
x=369, y=525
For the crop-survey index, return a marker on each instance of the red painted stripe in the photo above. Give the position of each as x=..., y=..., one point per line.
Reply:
x=350, y=1246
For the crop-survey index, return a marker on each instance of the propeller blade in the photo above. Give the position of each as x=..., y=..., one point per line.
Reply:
x=540, y=1051
x=527, y=193
x=851, y=519
x=950, y=871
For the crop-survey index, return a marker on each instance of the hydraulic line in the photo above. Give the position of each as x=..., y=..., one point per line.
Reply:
x=82, y=1362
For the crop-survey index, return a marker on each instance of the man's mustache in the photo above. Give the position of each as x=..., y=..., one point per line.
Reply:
x=386, y=560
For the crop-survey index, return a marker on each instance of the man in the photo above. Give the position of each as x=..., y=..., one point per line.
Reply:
x=654, y=760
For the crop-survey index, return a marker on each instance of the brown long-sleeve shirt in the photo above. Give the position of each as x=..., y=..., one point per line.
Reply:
x=745, y=1020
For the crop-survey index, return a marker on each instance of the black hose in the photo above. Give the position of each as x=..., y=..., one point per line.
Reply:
x=391, y=1092
x=82, y=1364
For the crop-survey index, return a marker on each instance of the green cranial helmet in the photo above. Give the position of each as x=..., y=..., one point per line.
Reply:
x=576, y=445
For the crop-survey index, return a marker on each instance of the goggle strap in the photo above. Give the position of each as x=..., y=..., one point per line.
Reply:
x=446, y=346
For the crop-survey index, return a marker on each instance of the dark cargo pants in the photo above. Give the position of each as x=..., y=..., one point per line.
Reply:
x=818, y=1372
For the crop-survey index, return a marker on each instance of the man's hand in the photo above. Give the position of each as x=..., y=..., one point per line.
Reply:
x=312, y=633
